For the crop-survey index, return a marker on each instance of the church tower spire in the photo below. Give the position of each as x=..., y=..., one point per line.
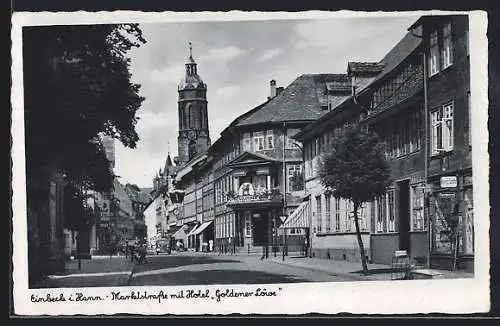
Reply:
x=193, y=115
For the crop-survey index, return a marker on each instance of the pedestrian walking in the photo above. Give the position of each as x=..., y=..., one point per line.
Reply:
x=141, y=255
x=132, y=252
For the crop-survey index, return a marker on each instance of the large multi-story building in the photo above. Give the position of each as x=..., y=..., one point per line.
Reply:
x=258, y=168
x=416, y=99
x=449, y=162
x=252, y=175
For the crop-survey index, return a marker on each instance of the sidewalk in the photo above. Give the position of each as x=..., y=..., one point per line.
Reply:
x=98, y=271
x=377, y=272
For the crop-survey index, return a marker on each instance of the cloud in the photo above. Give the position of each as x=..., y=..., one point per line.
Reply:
x=148, y=119
x=228, y=55
x=268, y=55
x=228, y=93
x=168, y=75
x=219, y=54
x=338, y=34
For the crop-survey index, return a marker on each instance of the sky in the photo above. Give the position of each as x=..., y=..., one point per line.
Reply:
x=237, y=60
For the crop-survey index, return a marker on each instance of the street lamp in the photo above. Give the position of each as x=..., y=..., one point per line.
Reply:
x=176, y=195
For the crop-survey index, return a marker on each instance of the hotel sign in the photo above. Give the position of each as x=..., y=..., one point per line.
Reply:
x=448, y=182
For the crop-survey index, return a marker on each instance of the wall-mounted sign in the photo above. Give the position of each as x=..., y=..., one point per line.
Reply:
x=448, y=182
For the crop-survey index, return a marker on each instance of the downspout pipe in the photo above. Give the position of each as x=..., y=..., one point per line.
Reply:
x=426, y=160
x=426, y=153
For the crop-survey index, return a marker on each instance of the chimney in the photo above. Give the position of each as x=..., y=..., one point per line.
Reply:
x=273, y=88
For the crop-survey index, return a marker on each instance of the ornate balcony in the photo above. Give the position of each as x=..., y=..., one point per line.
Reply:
x=254, y=199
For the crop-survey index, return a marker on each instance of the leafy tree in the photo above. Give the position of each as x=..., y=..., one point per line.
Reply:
x=356, y=169
x=77, y=87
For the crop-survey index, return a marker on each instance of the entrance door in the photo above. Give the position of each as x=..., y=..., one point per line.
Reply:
x=404, y=215
x=259, y=229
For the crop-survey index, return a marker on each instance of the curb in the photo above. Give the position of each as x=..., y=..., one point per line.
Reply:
x=347, y=275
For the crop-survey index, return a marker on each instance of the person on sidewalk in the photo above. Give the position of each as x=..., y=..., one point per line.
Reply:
x=141, y=256
x=132, y=252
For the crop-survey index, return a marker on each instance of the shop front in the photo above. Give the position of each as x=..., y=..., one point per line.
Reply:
x=452, y=220
x=203, y=237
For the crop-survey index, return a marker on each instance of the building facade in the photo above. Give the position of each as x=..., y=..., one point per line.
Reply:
x=449, y=176
x=195, y=214
x=416, y=100
x=258, y=170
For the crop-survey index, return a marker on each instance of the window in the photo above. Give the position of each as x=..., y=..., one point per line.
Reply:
x=295, y=178
x=290, y=142
x=231, y=226
x=319, y=217
x=417, y=195
x=337, y=214
x=446, y=51
x=433, y=54
x=247, y=142
x=381, y=213
x=442, y=129
x=362, y=217
x=269, y=140
x=226, y=226
x=258, y=141
x=308, y=158
x=248, y=225
x=348, y=206
x=391, y=224
x=327, y=212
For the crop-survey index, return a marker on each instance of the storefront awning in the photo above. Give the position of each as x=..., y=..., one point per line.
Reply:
x=180, y=233
x=202, y=227
x=193, y=230
x=298, y=219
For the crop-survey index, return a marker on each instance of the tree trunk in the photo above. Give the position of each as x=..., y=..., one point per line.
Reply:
x=360, y=240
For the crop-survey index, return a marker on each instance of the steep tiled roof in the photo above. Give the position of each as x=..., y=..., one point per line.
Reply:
x=397, y=54
x=364, y=67
x=404, y=48
x=298, y=102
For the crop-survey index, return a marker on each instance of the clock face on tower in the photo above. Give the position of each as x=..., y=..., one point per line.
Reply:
x=192, y=135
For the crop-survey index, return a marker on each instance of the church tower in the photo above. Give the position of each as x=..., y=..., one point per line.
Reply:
x=193, y=136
